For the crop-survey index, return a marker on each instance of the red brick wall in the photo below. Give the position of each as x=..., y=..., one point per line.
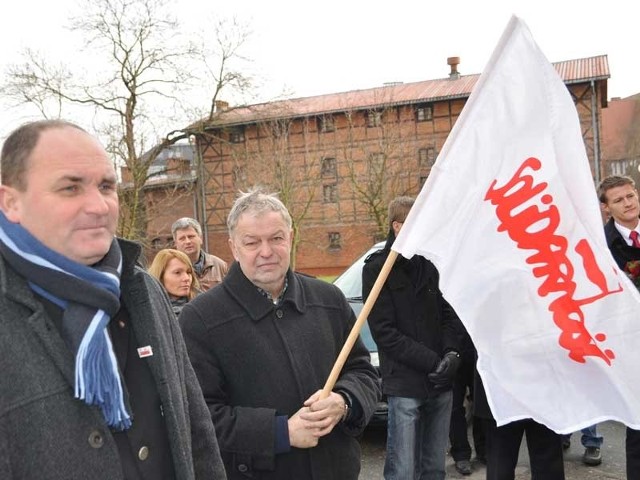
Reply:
x=233, y=166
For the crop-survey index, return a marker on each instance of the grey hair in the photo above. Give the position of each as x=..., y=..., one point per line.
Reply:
x=256, y=201
x=185, y=222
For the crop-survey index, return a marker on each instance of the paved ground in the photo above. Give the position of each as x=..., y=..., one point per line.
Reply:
x=612, y=467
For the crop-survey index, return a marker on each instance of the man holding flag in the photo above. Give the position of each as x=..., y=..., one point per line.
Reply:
x=263, y=342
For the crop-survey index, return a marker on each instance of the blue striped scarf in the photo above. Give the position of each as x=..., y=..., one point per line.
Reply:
x=89, y=296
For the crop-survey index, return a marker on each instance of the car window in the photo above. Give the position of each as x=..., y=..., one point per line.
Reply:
x=350, y=282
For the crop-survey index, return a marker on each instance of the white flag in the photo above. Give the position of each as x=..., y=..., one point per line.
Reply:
x=510, y=216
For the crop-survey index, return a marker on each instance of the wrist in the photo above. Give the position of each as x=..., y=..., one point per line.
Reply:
x=347, y=405
x=345, y=414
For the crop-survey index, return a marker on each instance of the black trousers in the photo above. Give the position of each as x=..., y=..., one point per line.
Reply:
x=633, y=454
x=503, y=446
x=460, y=447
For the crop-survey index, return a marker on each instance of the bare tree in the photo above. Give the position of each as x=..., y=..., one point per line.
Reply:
x=282, y=168
x=144, y=65
x=379, y=168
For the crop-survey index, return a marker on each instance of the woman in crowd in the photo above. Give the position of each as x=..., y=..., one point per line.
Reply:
x=175, y=271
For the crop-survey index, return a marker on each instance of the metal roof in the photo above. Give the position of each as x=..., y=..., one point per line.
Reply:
x=571, y=71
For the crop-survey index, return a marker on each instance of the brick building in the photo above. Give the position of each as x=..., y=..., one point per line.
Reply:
x=338, y=159
x=621, y=137
x=169, y=193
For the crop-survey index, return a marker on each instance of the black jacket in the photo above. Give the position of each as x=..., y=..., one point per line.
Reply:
x=256, y=361
x=622, y=253
x=411, y=322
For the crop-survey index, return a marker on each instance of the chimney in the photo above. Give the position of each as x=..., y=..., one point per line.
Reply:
x=453, y=62
x=221, y=105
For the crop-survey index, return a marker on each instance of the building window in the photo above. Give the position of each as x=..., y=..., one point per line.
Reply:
x=326, y=123
x=622, y=167
x=376, y=163
x=335, y=241
x=329, y=167
x=239, y=176
x=426, y=157
x=424, y=113
x=236, y=135
x=374, y=118
x=330, y=193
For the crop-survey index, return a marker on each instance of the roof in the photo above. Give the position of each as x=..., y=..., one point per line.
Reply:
x=571, y=71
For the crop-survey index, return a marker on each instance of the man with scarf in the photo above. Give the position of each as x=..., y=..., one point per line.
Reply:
x=96, y=382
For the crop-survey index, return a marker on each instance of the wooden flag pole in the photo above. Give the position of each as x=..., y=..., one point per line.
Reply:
x=355, y=331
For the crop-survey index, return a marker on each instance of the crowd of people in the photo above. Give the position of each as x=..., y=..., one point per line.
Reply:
x=196, y=369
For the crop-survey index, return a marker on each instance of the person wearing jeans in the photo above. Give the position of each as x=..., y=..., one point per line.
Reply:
x=415, y=439
x=418, y=336
x=591, y=441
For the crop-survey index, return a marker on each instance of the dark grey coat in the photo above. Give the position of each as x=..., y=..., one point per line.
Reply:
x=256, y=360
x=47, y=434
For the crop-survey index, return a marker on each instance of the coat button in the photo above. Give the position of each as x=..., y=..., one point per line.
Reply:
x=96, y=440
x=279, y=313
x=242, y=468
x=143, y=453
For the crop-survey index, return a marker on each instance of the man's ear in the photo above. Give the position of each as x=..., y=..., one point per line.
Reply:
x=233, y=249
x=10, y=203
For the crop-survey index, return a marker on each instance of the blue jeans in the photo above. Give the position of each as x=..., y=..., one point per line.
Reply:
x=417, y=437
x=590, y=437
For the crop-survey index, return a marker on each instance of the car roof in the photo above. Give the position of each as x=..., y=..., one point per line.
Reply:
x=350, y=281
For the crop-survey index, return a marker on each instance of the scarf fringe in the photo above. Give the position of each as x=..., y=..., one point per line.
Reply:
x=97, y=379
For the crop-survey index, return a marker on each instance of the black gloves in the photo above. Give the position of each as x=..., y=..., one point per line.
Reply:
x=442, y=377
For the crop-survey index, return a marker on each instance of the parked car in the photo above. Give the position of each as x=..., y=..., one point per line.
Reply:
x=350, y=282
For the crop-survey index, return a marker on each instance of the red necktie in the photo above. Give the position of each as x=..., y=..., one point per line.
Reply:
x=634, y=238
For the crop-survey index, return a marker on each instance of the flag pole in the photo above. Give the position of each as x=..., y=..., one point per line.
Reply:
x=355, y=331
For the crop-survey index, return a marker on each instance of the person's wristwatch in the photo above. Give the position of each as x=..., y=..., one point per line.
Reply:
x=347, y=405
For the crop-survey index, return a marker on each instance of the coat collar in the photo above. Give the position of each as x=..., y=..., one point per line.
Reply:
x=257, y=306
x=612, y=234
x=15, y=288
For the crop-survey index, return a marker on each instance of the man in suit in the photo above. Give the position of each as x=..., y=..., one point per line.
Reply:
x=96, y=382
x=619, y=199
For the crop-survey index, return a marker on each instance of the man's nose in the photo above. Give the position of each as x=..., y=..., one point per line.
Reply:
x=96, y=202
x=265, y=249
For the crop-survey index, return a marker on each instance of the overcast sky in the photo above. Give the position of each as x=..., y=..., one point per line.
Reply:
x=328, y=46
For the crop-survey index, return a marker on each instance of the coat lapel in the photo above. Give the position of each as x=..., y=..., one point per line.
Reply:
x=17, y=290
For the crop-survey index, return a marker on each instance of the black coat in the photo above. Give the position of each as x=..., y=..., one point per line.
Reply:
x=256, y=360
x=411, y=322
x=621, y=251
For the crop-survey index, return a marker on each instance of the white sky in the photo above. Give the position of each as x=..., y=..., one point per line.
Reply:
x=329, y=46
